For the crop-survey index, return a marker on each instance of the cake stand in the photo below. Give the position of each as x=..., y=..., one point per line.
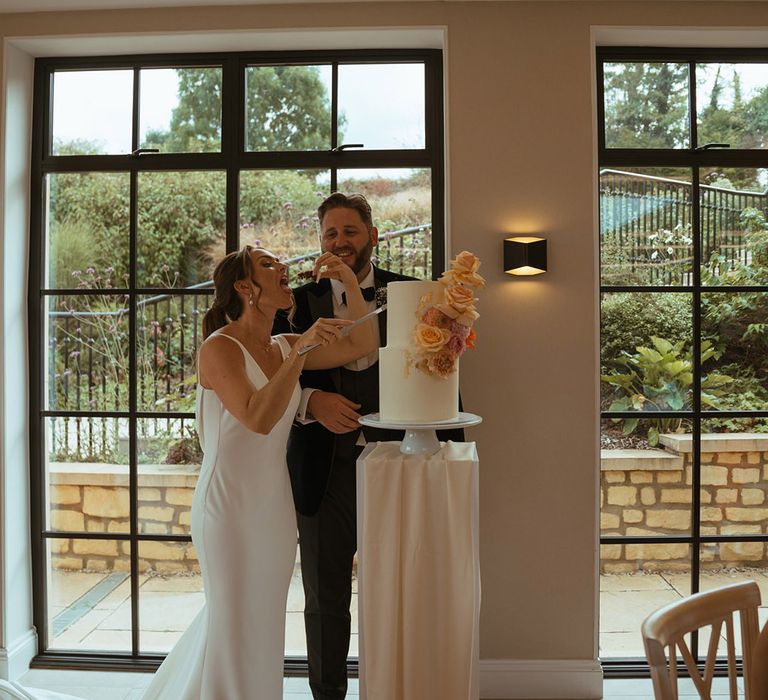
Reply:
x=421, y=438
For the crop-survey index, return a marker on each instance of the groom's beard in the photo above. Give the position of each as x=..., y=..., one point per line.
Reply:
x=362, y=258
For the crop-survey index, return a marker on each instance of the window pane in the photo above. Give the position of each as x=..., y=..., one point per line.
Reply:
x=278, y=211
x=92, y=112
x=733, y=332
x=180, y=109
x=87, y=474
x=169, y=457
x=169, y=333
x=646, y=105
x=732, y=104
x=401, y=202
x=734, y=234
x=634, y=582
x=645, y=486
x=87, y=368
x=645, y=226
x=87, y=230
x=734, y=489
x=88, y=584
x=382, y=105
x=170, y=595
x=182, y=218
x=288, y=108
x=646, y=359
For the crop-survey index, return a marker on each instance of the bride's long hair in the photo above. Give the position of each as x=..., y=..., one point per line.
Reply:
x=227, y=305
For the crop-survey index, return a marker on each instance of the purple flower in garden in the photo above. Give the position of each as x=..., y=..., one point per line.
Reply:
x=287, y=205
x=110, y=270
x=90, y=270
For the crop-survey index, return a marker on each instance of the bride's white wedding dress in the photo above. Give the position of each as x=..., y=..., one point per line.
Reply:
x=244, y=531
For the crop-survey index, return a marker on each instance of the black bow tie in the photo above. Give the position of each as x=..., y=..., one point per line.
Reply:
x=369, y=294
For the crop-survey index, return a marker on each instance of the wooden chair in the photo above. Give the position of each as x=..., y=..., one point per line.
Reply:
x=664, y=632
x=760, y=666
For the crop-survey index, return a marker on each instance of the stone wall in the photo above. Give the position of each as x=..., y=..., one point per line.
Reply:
x=648, y=493
x=95, y=498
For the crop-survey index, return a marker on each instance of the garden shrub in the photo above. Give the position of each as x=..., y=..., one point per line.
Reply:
x=631, y=319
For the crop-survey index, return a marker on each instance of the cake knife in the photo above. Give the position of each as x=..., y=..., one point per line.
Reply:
x=347, y=329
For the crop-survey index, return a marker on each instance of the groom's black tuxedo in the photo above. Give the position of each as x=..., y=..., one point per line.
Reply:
x=311, y=447
x=322, y=467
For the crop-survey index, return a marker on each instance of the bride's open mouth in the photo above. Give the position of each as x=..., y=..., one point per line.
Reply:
x=284, y=283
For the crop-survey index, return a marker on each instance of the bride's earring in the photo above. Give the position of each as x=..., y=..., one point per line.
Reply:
x=250, y=299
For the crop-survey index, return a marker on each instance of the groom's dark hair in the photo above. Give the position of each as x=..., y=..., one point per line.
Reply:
x=339, y=200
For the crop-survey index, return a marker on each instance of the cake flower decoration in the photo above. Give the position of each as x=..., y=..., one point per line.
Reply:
x=444, y=325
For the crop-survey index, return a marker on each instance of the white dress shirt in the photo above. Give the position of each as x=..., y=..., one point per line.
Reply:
x=341, y=311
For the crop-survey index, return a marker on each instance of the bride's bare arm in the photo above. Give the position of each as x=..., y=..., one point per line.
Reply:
x=221, y=367
x=361, y=340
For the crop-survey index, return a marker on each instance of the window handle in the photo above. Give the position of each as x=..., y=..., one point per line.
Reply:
x=347, y=145
x=707, y=146
x=139, y=151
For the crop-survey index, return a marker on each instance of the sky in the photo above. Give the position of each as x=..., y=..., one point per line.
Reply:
x=384, y=104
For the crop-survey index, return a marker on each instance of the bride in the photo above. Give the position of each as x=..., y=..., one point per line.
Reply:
x=243, y=520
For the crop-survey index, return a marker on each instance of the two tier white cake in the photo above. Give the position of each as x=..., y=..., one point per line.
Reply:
x=406, y=393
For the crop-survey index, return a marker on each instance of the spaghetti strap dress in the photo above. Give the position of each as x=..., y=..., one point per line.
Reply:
x=244, y=532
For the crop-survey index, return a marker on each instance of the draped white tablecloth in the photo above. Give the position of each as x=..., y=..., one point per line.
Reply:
x=418, y=573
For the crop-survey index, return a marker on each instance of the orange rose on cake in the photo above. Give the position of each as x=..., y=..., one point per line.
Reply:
x=431, y=338
x=444, y=331
x=463, y=271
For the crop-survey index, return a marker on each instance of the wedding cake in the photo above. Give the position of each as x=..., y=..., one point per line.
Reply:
x=429, y=326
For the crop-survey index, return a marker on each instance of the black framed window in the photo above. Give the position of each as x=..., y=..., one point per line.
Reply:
x=683, y=158
x=145, y=171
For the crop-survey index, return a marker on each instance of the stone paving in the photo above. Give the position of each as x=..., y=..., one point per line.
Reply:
x=88, y=621
x=627, y=599
x=167, y=605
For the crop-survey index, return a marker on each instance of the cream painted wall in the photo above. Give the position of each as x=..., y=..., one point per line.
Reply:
x=521, y=159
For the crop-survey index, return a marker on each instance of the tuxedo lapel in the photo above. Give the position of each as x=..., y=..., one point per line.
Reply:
x=321, y=301
x=379, y=282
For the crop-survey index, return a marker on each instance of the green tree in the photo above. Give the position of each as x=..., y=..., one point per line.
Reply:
x=646, y=105
x=287, y=108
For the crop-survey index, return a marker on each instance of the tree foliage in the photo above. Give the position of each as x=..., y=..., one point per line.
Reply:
x=646, y=105
x=287, y=108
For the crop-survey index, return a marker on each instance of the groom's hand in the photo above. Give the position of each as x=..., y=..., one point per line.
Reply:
x=334, y=411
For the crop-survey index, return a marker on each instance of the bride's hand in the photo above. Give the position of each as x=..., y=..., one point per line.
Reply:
x=322, y=332
x=333, y=267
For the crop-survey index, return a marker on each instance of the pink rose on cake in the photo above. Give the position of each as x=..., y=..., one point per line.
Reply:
x=434, y=317
x=456, y=346
x=444, y=331
x=460, y=329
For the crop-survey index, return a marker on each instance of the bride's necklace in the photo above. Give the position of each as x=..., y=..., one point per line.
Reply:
x=266, y=347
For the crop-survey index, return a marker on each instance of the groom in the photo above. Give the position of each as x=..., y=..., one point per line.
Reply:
x=327, y=439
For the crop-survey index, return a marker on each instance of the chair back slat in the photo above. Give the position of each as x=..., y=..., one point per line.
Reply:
x=665, y=630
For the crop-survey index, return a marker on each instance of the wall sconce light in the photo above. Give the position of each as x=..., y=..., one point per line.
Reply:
x=525, y=255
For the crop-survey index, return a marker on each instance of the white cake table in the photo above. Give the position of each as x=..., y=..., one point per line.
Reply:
x=418, y=573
